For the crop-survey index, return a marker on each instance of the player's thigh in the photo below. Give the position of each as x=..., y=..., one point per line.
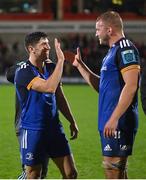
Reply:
x=60, y=152
x=66, y=164
x=32, y=147
x=58, y=145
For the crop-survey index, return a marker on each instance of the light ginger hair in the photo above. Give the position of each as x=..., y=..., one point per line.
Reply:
x=111, y=18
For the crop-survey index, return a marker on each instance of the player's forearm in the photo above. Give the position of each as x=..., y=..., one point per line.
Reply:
x=91, y=78
x=53, y=81
x=66, y=111
x=64, y=106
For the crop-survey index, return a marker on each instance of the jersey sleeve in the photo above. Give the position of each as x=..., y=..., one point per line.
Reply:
x=128, y=58
x=25, y=76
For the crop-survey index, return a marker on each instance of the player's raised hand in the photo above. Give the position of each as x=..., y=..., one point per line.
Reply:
x=58, y=49
x=77, y=59
x=74, y=59
x=74, y=130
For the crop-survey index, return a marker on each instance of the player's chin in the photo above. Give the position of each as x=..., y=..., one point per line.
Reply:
x=45, y=57
x=103, y=42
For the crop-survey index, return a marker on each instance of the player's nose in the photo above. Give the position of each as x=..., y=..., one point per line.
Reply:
x=47, y=46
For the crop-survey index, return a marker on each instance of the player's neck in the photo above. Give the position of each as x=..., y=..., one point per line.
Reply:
x=37, y=63
x=115, y=38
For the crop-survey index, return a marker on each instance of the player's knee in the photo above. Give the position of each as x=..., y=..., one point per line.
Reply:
x=33, y=175
x=120, y=165
x=72, y=174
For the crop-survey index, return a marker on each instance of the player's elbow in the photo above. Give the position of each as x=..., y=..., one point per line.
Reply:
x=43, y=87
x=51, y=90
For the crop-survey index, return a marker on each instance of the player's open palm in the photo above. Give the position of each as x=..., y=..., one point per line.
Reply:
x=77, y=59
x=58, y=49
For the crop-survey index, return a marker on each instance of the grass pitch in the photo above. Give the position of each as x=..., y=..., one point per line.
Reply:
x=86, y=149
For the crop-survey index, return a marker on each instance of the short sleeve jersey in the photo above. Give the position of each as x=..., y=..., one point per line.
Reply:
x=121, y=57
x=39, y=110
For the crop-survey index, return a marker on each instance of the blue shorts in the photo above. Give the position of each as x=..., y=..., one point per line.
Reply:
x=118, y=146
x=37, y=145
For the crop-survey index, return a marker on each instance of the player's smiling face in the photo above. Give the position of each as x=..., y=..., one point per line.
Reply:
x=41, y=49
x=102, y=32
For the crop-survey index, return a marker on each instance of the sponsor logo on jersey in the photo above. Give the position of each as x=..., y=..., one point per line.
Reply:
x=107, y=148
x=128, y=56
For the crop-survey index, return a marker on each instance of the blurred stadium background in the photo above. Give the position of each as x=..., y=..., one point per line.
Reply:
x=73, y=22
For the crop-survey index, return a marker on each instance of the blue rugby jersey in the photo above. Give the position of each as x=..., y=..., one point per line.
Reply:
x=39, y=110
x=121, y=57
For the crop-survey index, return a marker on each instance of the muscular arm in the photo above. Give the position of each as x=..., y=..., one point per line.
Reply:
x=131, y=81
x=64, y=107
x=91, y=78
x=49, y=85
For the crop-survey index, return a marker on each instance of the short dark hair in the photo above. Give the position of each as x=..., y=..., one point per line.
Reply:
x=33, y=38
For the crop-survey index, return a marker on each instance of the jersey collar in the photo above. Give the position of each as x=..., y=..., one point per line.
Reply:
x=117, y=42
x=36, y=66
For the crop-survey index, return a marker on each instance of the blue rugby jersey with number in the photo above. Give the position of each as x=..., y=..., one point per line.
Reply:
x=39, y=110
x=121, y=57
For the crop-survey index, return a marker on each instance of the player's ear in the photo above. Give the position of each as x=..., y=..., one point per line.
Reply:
x=109, y=31
x=30, y=49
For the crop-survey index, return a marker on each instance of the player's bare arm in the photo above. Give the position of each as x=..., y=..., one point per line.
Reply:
x=131, y=82
x=50, y=85
x=91, y=78
x=65, y=109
